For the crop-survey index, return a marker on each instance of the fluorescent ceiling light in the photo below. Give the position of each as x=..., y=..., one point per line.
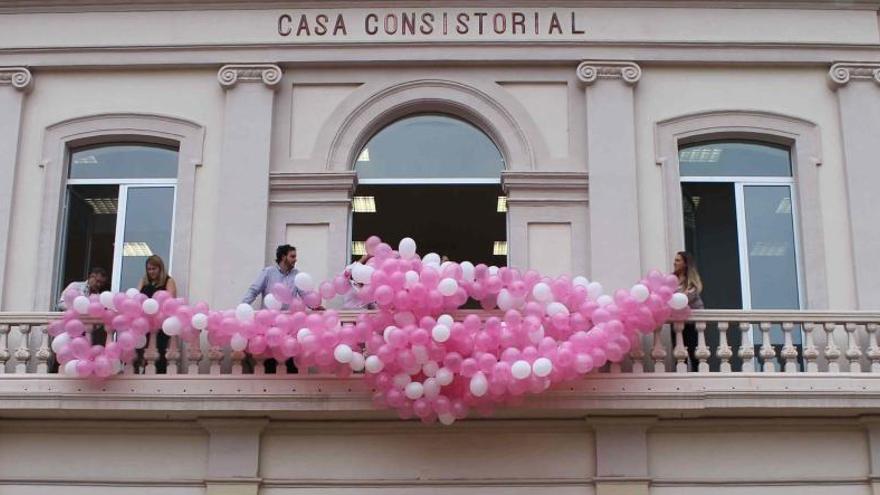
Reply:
x=358, y=248
x=363, y=204
x=102, y=206
x=500, y=248
x=136, y=249
x=700, y=155
x=85, y=160
x=784, y=207
x=768, y=249
x=364, y=156
x=502, y=204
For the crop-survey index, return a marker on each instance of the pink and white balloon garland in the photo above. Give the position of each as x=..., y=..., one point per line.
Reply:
x=418, y=358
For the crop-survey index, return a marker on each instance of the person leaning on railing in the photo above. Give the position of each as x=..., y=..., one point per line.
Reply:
x=690, y=284
x=156, y=278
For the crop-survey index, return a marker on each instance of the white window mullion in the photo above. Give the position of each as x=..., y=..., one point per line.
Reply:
x=119, y=238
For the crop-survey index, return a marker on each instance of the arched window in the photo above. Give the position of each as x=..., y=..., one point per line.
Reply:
x=119, y=209
x=437, y=179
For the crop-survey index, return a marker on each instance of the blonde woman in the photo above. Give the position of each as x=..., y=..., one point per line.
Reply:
x=156, y=278
x=689, y=284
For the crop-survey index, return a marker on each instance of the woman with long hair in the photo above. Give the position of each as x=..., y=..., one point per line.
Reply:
x=156, y=278
x=691, y=285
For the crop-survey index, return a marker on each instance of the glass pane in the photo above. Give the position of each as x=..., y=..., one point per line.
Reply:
x=772, y=263
x=123, y=162
x=429, y=146
x=147, y=231
x=90, y=225
x=734, y=159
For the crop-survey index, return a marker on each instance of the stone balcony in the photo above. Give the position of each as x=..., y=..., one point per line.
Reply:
x=824, y=364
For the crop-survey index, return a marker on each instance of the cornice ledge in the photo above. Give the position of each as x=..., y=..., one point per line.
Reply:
x=842, y=73
x=231, y=75
x=545, y=180
x=18, y=77
x=318, y=181
x=590, y=71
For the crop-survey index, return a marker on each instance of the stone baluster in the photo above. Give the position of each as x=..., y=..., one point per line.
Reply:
x=260, y=366
x=23, y=353
x=172, y=356
x=811, y=353
x=702, y=352
x=194, y=354
x=658, y=353
x=151, y=354
x=215, y=355
x=789, y=351
x=237, y=357
x=746, y=349
x=637, y=356
x=4, y=347
x=767, y=353
x=680, y=351
x=724, y=352
x=853, y=353
x=873, y=348
x=832, y=352
x=44, y=352
x=280, y=368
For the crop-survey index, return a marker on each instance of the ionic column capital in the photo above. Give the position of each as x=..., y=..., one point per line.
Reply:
x=18, y=77
x=589, y=71
x=842, y=73
x=230, y=75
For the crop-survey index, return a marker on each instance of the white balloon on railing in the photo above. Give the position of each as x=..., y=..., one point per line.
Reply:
x=199, y=321
x=361, y=273
x=440, y=333
x=244, y=312
x=414, y=390
x=70, y=367
x=445, y=320
x=581, y=281
x=60, y=342
x=304, y=282
x=542, y=292
x=406, y=248
x=357, y=361
x=467, y=271
x=542, y=367
x=678, y=301
x=343, y=353
x=271, y=302
x=447, y=286
x=106, y=299
x=373, y=364
x=479, y=385
x=604, y=300
x=640, y=293
x=150, y=306
x=556, y=308
x=594, y=290
x=446, y=419
x=521, y=370
x=431, y=259
x=81, y=304
x=132, y=292
x=172, y=326
x=444, y=376
x=238, y=342
x=411, y=277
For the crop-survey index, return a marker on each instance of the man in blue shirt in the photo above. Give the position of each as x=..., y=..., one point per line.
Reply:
x=282, y=272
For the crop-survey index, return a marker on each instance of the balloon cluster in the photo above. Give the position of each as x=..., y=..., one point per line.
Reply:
x=418, y=358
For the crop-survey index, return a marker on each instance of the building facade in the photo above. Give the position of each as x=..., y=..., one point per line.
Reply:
x=599, y=138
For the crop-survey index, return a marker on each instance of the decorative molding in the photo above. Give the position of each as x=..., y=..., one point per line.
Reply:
x=589, y=71
x=541, y=188
x=18, y=77
x=842, y=73
x=230, y=75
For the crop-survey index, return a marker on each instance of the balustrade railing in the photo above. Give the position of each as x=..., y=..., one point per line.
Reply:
x=710, y=341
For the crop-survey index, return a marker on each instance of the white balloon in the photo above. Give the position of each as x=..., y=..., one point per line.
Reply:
x=521, y=370
x=302, y=333
x=373, y=364
x=343, y=353
x=244, y=312
x=401, y=380
x=580, y=281
x=479, y=385
x=303, y=281
x=172, y=326
x=431, y=388
x=678, y=301
x=467, y=270
x=150, y=306
x=440, y=333
x=238, y=342
x=362, y=273
x=413, y=390
x=447, y=286
x=430, y=368
x=81, y=304
x=446, y=419
x=493, y=270
x=444, y=376
x=411, y=277
x=445, y=320
x=594, y=290
x=271, y=302
x=357, y=361
x=639, y=292
x=556, y=308
x=106, y=299
x=542, y=367
x=542, y=292
x=431, y=259
x=60, y=342
x=70, y=367
x=406, y=248
x=132, y=292
x=141, y=342
x=505, y=300
x=604, y=300
x=200, y=321
x=387, y=332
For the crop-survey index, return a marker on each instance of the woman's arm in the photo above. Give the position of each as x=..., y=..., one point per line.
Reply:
x=171, y=287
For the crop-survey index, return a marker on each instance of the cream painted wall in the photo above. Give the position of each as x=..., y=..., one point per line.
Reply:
x=193, y=95
x=666, y=92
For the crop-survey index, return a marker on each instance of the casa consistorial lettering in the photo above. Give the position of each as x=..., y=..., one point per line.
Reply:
x=432, y=24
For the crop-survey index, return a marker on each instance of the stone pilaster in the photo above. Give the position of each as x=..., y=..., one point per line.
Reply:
x=611, y=161
x=233, y=455
x=622, y=455
x=15, y=82
x=858, y=93
x=243, y=183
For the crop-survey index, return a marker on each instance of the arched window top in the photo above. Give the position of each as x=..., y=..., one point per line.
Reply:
x=123, y=161
x=429, y=147
x=734, y=159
